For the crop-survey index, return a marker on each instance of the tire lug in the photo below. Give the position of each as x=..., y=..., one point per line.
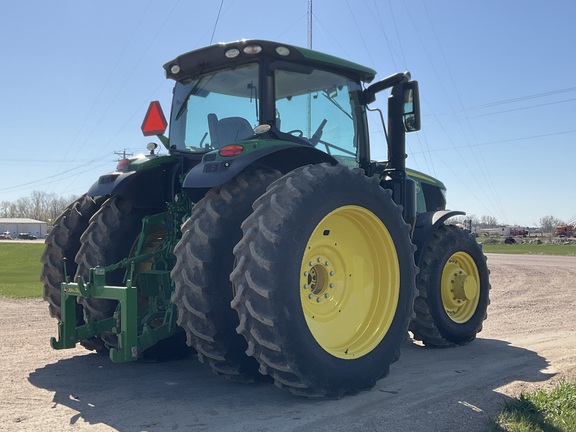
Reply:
x=310, y=296
x=331, y=285
x=326, y=295
x=318, y=299
x=331, y=273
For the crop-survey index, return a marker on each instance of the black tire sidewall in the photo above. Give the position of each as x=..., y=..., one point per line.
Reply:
x=454, y=240
x=299, y=341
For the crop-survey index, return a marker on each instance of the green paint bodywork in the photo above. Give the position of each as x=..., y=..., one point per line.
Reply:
x=213, y=57
x=142, y=162
x=420, y=178
x=336, y=61
x=249, y=146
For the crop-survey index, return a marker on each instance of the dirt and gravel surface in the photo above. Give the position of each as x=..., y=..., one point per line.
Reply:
x=528, y=342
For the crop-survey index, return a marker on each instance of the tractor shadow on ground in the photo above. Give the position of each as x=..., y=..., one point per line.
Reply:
x=185, y=394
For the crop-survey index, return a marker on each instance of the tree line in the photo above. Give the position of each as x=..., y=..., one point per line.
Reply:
x=47, y=207
x=39, y=205
x=547, y=224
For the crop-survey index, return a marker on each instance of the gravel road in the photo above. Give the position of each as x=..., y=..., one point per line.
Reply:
x=528, y=342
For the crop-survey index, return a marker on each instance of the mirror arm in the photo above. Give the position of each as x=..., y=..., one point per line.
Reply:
x=386, y=83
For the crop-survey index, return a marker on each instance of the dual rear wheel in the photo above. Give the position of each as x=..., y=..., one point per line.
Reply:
x=322, y=280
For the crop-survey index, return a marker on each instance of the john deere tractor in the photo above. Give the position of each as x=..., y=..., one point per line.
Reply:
x=264, y=236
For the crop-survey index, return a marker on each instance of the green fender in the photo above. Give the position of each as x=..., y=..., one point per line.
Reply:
x=211, y=173
x=147, y=186
x=426, y=225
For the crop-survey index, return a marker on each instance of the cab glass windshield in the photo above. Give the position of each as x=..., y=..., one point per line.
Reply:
x=215, y=109
x=319, y=106
x=309, y=107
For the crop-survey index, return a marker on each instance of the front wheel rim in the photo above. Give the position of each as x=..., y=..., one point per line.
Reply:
x=350, y=282
x=460, y=287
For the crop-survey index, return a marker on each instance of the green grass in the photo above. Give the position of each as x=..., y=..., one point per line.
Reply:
x=540, y=411
x=533, y=249
x=20, y=270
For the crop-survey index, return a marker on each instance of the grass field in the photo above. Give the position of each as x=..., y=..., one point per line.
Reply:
x=533, y=249
x=20, y=270
x=20, y=264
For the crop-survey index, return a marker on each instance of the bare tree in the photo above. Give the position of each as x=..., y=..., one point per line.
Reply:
x=487, y=221
x=39, y=205
x=549, y=223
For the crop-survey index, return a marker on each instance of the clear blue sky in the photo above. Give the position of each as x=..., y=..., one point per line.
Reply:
x=497, y=82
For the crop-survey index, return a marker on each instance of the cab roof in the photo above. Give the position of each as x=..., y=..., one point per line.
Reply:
x=229, y=54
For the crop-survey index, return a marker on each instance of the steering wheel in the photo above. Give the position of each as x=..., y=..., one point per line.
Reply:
x=296, y=131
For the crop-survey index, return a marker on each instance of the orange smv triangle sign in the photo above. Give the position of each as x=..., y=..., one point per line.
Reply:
x=154, y=122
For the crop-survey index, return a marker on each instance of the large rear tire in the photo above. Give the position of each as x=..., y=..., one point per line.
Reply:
x=63, y=243
x=204, y=260
x=324, y=281
x=108, y=239
x=452, y=289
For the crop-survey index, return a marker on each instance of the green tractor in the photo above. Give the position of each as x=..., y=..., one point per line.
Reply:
x=264, y=237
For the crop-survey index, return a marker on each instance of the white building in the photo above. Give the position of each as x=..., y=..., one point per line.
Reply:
x=23, y=225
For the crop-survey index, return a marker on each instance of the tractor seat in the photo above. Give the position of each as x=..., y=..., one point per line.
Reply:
x=228, y=130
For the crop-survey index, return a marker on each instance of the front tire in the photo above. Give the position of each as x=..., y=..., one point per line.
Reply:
x=325, y=281
x=452, y=289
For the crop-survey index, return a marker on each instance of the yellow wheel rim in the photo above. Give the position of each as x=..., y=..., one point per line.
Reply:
x=460, y=287
x=349, y=282
x=152, y=242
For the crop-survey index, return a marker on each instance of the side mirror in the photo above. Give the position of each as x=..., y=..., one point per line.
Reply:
x=154, y=121
x=411, y=102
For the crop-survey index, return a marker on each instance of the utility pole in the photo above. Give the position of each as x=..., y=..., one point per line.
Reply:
x=123, y=153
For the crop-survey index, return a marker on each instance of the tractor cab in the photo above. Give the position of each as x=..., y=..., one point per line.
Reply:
x=259, y=101
x=238, y=97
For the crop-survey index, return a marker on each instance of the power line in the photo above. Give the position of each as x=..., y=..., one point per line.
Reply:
x=503, y=141
x=216, y=23
x=523, y=98
x=504, y=111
